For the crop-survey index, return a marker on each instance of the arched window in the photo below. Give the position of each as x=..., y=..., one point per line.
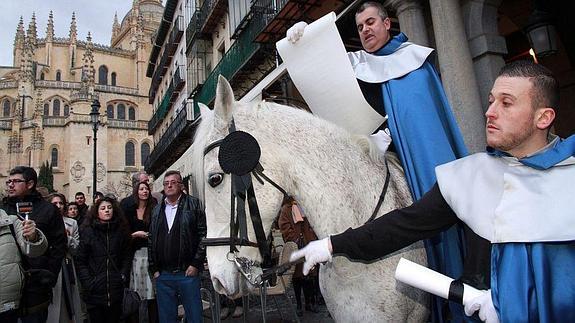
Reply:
x=110, y=111
x=131, y=113
x=66, y=110
x=56, y=107
x=103, y=75
x=6, y=107
x=54, y=157
x=130, y=154
x=46, y=109
x=121, y=112
x=42, y=76
x=145, y=151
x=58, y=75
x=114, y=78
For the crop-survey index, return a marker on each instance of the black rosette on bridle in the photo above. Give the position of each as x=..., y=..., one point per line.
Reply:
x=239, y=153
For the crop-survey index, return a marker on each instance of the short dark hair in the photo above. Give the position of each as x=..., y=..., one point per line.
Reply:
x=545, y=86
x=79, y=194
x=173, y=172
x=98, y=193
x=28, y=173
x=380, y=8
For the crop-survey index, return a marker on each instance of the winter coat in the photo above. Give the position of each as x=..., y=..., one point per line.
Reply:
x=301, y=232
x=44, y=269
x=192, y=231
x=11, y=272
x=103, y=277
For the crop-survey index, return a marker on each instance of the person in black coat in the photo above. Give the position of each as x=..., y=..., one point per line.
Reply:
x=104, y=260
x=44, y=270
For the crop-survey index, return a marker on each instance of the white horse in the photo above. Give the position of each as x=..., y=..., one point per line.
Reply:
x=337, y=183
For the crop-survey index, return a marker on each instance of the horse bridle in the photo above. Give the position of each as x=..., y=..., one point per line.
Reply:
x=242, y=190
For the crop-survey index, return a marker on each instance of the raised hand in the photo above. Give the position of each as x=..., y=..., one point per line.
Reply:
x=295, y=32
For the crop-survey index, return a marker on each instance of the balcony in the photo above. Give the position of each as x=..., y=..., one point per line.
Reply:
x=128, y=124
x=199, y=54
x=5, y=124
x=193, y=30
x=176, y=85
x=211, y=12
x=80, y=96
x=50, y=121
x=174, y=142
x=8, y=84
x=58, y=84
x=116, y=89
x=279, y=15
x=235, y=59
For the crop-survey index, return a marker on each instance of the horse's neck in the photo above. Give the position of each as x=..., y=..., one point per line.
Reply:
x=335, y=182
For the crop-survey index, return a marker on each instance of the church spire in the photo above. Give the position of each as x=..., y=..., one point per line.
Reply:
x=73, y=30
x=20, y=36
x=32, y=31
x=115, y=28
x=50, y=28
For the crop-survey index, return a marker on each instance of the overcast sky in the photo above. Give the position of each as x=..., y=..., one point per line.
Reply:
x=95, y=16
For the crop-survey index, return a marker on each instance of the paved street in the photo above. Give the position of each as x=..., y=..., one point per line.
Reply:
x=272, y=313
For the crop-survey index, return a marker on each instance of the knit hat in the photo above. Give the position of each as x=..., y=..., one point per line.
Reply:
x=239, y=153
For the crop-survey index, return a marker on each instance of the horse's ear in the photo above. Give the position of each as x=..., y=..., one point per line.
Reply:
x=224, y=100
x=204, y=109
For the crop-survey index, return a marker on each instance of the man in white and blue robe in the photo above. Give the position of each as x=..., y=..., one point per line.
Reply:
x=518, y=195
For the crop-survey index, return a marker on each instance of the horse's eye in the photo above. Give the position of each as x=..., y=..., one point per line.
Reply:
x=215, y=179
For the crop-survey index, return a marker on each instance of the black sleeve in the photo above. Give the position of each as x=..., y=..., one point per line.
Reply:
x=201, y=229
x=396, y=229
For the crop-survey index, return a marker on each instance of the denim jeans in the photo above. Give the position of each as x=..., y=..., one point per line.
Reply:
x=173, y=286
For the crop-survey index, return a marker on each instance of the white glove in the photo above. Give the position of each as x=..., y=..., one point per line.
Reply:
x=484, y=304
x=382, y=140
x=315, y=252
x=295, y=32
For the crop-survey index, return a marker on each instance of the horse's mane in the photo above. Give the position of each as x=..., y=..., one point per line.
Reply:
x=261, y=110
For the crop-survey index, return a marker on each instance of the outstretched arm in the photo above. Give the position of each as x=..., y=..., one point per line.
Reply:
x=391, y=232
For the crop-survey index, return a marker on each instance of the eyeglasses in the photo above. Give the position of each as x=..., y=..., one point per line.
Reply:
x=15, y=181
x=172, y=183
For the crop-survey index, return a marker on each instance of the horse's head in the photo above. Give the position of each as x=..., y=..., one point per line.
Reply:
x=216, y=184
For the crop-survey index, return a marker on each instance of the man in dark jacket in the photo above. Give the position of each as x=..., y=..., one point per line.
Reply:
x=21, y=187
x=80, y=199
x=175, y=255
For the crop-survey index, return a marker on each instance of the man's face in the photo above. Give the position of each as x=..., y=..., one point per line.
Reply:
x=144, y=178
x=16, y=186
x=80, y=199
x=511, y=119
x=172, y=186
x=373, y=31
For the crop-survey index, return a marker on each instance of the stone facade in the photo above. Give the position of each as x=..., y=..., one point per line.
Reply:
x=46, y=98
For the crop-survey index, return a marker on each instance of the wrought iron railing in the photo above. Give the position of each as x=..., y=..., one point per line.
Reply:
x=193, y=29
x=178, y=125
x=161, y=112
x=238, y=54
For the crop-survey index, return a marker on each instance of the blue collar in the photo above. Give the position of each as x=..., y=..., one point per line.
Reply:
x=391, y=46
x=558, y=151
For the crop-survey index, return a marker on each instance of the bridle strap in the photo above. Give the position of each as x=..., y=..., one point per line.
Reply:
x=382, y=195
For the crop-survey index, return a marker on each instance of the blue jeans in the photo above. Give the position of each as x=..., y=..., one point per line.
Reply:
x=170, y=287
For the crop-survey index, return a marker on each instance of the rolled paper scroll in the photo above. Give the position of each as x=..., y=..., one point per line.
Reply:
x=433, y=282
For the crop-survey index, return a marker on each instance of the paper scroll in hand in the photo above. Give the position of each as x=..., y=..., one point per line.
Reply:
x=320, y=69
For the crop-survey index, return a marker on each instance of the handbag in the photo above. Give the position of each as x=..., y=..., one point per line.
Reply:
x=131, y=300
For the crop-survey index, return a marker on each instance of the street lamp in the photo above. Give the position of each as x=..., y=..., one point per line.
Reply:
x=541, y=33
x=95, y=120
